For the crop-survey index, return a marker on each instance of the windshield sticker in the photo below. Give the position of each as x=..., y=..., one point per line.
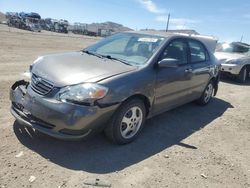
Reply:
x=147, y=40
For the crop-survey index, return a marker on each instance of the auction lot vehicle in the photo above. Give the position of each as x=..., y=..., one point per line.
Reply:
x=115, y=85
x=27, y=21
x=235, y=60
x=32, y=24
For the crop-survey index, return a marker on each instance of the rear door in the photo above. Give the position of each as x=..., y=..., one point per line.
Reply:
x=200, y=65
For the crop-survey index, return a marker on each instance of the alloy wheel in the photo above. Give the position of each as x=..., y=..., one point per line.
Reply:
x=208, y=92
x=131, y=122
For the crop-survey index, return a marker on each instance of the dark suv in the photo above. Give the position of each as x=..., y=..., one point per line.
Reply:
x=115, y=84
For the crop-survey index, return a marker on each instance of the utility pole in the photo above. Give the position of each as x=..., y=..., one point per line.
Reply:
x=241, y=38
x=168, y=22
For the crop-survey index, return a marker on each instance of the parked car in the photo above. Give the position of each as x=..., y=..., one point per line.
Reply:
x=235, y=60
x=115, y=85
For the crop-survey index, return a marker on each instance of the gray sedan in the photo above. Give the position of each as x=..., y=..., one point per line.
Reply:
x=115, y=85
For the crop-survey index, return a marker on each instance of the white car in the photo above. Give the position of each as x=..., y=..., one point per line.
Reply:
x=235, y=60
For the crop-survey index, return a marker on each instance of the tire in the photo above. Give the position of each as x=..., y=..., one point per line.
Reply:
x=207, y=94
x=127, y=122
x=243, y=75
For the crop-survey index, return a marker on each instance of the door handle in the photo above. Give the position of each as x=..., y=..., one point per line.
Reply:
x=189, y=70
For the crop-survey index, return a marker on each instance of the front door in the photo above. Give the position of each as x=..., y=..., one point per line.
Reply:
x=173, y=83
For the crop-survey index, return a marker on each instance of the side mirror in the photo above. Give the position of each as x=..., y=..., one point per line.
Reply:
x=168, y=63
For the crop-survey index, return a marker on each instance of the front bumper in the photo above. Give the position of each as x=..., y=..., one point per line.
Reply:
x=55, y=118
x=231, y=68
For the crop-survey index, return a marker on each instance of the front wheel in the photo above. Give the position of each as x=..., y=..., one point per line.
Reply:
x=127, y=122
x=207, y=94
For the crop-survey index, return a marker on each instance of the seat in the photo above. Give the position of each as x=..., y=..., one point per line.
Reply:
x=175, y=53
x=143, y=50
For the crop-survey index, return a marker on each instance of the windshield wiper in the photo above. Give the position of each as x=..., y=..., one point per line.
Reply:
x=106, y=56
x=92, y=53
x=117, y=59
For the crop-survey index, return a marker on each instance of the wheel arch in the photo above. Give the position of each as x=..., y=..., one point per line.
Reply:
x=143, y=98
x=247, y=66
x=215, y=81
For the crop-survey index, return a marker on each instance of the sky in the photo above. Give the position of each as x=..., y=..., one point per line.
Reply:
x=228, y=20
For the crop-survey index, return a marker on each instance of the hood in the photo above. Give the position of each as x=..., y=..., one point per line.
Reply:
x=224, y=56
x=77, y=67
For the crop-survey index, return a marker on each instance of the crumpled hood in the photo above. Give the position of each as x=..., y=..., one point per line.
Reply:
x=224, y=56
x=77, y=67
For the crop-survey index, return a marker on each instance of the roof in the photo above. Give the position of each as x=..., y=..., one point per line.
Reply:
x=186, y=31
x=242, y=44
x=209, y=41
x=150, y=32
x=169, y=34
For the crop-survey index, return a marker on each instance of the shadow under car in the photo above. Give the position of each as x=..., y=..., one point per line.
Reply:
x=96, y=155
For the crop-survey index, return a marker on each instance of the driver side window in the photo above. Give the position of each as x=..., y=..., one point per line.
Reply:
x=177, y=49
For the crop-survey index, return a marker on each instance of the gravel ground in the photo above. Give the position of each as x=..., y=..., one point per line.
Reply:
x=190, y=146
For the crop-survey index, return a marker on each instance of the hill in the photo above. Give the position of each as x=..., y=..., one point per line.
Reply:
x=2, y=17
x=108, y=25
x=115, y=26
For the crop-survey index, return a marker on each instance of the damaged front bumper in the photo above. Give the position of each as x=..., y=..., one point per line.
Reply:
x=233, y=69
x=55, y=118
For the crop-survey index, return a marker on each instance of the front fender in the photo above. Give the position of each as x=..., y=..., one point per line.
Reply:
x=122, y=87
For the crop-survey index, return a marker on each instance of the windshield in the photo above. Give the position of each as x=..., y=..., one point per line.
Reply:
x=233, y=48
x=133, y=48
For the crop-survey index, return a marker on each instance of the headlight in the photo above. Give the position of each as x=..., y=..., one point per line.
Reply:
x=27, y=75
x=83, y=93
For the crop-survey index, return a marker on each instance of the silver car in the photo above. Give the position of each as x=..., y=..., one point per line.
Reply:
x=235, y=60
x=115, y=85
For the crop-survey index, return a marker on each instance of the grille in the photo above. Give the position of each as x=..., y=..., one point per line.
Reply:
x=40, y=86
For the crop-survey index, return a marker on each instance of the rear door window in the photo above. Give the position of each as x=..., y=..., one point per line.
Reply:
x=198, y=53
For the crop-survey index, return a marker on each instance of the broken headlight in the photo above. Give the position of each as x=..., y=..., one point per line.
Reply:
x=86, y=93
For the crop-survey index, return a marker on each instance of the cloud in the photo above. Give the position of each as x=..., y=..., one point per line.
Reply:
x=177, y=23
x=151, y=6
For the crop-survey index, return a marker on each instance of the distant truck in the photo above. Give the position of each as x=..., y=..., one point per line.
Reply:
x=22, y=20
x=14, y=20
x=32, y=21
x=59, y=26
x=78, y=28
x=104, y=32
x=46, y=24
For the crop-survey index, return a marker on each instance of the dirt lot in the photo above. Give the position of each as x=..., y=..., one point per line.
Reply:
x=190, y=146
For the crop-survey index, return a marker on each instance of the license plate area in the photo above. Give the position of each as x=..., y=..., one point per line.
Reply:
x=18, y=106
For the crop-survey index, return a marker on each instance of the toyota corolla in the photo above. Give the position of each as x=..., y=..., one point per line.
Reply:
x=115, y=85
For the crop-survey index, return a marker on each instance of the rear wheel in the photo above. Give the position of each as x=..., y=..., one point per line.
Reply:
x=127, y=122
x=243, y=75
x=207, y=94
